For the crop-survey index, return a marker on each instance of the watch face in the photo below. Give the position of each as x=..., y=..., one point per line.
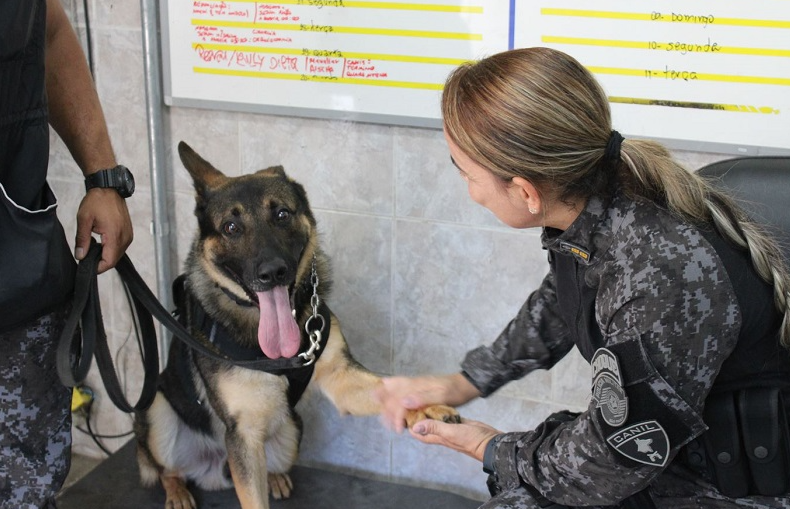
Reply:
x=128, y=180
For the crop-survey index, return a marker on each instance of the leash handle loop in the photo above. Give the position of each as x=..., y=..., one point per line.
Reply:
x=75, y=349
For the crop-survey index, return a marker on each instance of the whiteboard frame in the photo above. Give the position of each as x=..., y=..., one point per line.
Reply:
x=393, y=120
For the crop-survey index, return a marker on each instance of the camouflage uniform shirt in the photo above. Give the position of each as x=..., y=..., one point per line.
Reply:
x=647, y=299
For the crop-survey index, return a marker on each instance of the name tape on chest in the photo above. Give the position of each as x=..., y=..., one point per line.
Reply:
x=607, y=388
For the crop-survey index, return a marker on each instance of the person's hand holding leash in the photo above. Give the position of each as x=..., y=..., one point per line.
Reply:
x=103, y=212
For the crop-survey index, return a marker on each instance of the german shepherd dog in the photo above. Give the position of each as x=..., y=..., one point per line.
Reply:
x=255, y=276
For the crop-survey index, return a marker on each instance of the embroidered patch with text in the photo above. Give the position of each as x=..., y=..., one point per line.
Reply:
x=607, y=388
x=580, y=253
x=645, y=442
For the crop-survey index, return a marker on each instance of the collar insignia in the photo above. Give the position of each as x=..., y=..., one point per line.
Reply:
x=578, y=252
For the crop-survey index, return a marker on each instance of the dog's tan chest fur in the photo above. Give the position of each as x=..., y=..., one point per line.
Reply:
x=252, y=399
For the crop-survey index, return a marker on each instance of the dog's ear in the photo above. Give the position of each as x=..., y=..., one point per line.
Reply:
x=274, y=171
x=204, y=175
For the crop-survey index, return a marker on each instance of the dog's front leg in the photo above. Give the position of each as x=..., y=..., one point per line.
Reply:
x=346, y=383
x=248, y=469
x=261, y=438
x=351, y=387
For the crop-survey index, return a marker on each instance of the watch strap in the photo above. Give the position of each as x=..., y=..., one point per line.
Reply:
x=100, y=178
x=110, y=178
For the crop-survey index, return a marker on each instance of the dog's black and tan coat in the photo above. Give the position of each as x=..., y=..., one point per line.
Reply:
x=248, y=286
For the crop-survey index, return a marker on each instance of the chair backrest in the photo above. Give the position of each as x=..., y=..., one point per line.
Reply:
x=762, y=186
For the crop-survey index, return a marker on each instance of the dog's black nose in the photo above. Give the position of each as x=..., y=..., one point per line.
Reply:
x=273, y=273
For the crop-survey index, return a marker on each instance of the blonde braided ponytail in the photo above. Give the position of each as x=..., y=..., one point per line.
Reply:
x=656, y=175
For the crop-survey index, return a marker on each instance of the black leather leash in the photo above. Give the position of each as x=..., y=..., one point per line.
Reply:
x=75, y=350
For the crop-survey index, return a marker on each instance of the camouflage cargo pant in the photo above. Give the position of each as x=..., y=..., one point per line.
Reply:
x=520, y=498
x=35, y=416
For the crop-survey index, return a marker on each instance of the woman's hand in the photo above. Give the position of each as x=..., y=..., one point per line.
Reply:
x=399, y=395
x=469, y=437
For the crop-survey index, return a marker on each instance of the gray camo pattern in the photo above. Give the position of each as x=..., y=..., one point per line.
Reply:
x=660, y=283
x=35, y=416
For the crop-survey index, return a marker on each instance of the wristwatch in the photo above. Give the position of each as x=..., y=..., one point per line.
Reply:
x=118, y=178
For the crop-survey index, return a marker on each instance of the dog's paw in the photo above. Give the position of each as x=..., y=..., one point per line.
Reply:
x=280, y=485
x=442, y=413
x=177, y=494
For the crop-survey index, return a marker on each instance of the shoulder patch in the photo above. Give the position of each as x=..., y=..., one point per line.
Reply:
x=645, y=442
x=607, y=388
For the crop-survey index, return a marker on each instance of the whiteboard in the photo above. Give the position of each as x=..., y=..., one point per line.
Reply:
x=697, y=75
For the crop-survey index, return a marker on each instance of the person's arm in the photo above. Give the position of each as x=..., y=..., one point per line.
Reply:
x=76, y=115
x=537, y=338
x=568, y=453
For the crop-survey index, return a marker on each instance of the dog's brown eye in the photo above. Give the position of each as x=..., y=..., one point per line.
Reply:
x=231, y=228
x=283, y=214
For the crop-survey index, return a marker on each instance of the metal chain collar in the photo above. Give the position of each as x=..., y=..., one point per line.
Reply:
x=314, y=335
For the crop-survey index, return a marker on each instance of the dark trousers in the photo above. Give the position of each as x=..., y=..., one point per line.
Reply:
x=35, y=416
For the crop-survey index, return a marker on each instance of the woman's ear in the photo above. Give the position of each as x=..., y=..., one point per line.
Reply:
x=528, y=193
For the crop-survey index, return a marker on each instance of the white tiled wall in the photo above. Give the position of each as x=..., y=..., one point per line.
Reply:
x=422, y=274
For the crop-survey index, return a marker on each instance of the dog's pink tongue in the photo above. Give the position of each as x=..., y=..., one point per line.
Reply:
x=278, y=333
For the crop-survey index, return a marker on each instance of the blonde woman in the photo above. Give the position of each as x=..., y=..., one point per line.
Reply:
x=677, y=301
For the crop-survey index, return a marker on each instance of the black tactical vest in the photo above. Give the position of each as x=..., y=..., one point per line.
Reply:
x=758, y=358
x=746, y=450
x=36, y=266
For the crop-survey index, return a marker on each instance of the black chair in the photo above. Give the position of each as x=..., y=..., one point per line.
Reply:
x=762, y=186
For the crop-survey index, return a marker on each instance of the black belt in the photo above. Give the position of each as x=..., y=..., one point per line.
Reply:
x=75, y=350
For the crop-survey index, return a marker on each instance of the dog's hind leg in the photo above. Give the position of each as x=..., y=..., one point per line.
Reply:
x=280, y=485
x=177, y=495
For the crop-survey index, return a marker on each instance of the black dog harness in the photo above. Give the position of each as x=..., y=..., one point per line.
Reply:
x=190, y=313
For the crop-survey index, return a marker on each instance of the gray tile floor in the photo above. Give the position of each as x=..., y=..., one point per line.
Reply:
x=80, y=467
x=114, y=484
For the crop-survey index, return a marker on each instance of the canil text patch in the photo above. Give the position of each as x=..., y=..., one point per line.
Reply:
x=644, y=442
